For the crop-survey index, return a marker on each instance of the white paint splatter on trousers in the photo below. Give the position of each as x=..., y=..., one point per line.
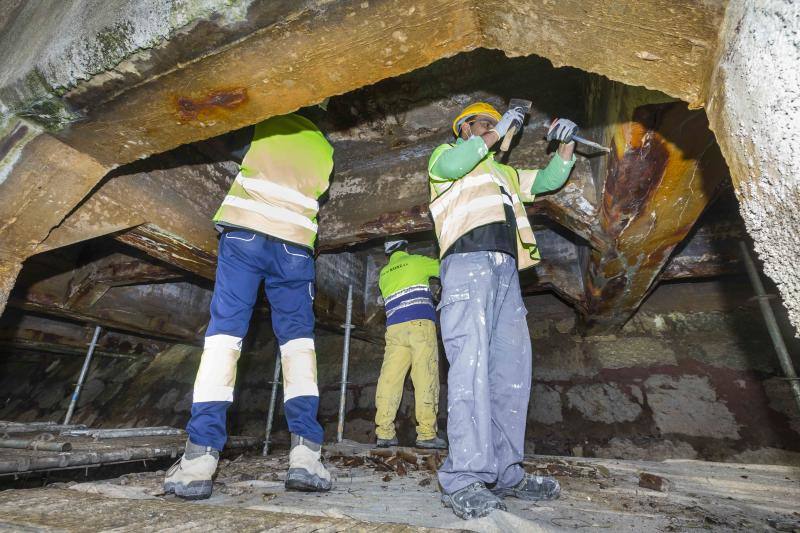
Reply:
x=486, y=340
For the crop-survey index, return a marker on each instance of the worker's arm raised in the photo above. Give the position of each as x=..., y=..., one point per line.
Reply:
x=555, y=174
x=550, y=178
x=454, y=162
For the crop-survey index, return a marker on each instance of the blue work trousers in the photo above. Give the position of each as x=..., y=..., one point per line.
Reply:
x=245, y=260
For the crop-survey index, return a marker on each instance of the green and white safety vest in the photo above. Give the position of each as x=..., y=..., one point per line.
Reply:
x=285, y=171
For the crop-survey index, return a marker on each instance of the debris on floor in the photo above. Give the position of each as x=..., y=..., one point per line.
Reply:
x=392, y=489
x=653, y=482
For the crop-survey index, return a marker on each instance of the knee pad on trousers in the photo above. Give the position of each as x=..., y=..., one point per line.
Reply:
x=216, y=376
x=299, y=362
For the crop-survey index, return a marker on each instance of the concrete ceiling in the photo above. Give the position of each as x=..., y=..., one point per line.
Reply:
x=113, y=129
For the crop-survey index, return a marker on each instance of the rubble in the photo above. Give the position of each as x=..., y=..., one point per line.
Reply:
x=653, y=482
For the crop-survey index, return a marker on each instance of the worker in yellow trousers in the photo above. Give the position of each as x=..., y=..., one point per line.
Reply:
x=411, y=342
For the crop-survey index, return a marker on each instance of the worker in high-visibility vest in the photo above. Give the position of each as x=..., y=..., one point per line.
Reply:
x=484, y=239
x=268, y=229
x=411, y=343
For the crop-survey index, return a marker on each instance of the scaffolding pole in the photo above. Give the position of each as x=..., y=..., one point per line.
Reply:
x=772, y=324
x=276, y=377
x=348, y=325
x=84, y=370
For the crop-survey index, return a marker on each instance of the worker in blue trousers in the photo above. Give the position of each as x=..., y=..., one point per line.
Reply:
x=268, y=229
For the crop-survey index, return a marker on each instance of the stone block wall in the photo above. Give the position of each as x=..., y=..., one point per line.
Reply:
x=692, y=375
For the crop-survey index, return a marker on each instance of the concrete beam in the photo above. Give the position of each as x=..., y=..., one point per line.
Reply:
x=664, y=45
x=41, y=180
x=323, y=50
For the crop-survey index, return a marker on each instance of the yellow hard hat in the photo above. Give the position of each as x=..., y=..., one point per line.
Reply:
x=478, y=108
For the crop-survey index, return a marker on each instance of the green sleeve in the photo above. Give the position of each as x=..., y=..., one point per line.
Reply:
x=452, y=163
x=553, y=176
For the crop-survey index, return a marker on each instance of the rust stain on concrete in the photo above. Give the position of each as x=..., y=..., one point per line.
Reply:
x=210, y=105
x=8, y=142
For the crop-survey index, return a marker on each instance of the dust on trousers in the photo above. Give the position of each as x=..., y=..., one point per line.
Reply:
x=245, y=260
x=486, y=340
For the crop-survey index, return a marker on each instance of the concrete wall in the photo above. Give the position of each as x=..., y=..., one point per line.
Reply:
x=693, y=375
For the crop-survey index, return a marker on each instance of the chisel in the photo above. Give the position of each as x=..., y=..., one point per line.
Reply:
x=581, y=140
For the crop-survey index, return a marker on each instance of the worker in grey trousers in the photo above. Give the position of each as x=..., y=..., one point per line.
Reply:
x=484, y=239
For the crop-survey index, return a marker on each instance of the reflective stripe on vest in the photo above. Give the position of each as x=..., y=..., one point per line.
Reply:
x=404, y=292
x=476, y=200
x=285, y=170
x=442, y=201
x=278, y=191
x=452, y=224
x=270, y=211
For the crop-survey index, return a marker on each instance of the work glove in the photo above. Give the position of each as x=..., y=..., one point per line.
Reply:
x=512, y=117
x=562, y=130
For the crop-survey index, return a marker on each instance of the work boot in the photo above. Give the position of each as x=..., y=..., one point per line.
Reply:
x=385, y=443
x=190, y=477
x=532, y=488
x=434, y=443
x=473, y=501
x=306, y=472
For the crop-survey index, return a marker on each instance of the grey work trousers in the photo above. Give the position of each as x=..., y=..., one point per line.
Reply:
x=486, y=341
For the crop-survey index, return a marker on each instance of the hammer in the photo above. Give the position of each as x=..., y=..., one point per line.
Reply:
x=525, y=107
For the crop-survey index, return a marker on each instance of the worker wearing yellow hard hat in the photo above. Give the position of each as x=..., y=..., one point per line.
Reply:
x=484, y=239
x=475, y=110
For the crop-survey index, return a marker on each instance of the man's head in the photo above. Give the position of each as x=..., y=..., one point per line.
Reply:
x=475, y=119
x=392, y=246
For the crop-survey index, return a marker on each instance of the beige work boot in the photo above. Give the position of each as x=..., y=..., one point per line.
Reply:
x=306, y=472
x=190, y=477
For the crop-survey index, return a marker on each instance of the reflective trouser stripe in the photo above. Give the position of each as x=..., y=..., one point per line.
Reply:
x=299, y=362
x=217, y=373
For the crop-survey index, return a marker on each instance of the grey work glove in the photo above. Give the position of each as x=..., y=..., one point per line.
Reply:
x=562, y=130
x=512, y=117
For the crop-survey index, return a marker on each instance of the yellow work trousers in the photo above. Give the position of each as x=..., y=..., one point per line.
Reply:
x=411, y=344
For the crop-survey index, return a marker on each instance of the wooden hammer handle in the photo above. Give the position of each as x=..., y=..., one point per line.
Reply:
x=507, y=139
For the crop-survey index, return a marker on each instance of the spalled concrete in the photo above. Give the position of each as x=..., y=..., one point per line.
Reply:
x=753, y=108
x=603, y=403
x=688, y=405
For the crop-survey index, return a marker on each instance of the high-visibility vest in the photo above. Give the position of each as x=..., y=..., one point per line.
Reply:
x=285, y=171
x=459, y=206
x=405, y=289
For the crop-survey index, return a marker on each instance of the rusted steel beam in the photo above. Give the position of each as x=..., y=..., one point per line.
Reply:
x=172, y=249
x=90, y=284
x=9, y=269
x=156, y=325
x=20, y=330
x=175, y=194
x=560, y=269
x=664, y=169
x=710, y=250
x=50, y=284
